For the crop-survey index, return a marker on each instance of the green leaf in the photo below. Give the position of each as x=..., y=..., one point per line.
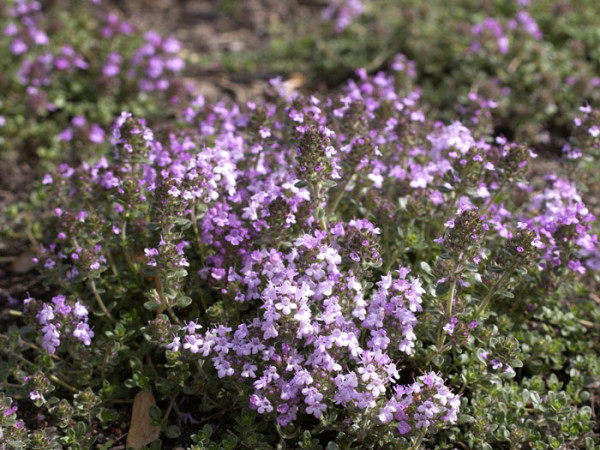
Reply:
x=442, y=288
x=107, y=415
x=444, y=189
x=177, y=273
x=182, y=302
x=80, y=430
x=181, y=221
x=426, y=268
x=155, y=413
x=173, y=431
x=465, y=418
x=151, y=305
x=516, y=363
x=155, y=445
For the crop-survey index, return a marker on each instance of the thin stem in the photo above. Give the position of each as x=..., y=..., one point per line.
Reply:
x=441, y=337
x=439, y=351
x=169, y=408
x=100, y=302
x=62, y=383
x=315, y=193
x=111, y=263
x=163, y=300
x=323, y=223
x=196, y=232
x=173, y=316
x=486, y=300
x=33, y=346
x=388, y=265
x=124, y=247
x=341, y=193
x=283, y=435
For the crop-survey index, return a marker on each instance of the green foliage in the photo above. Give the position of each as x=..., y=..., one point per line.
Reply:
x=140, y=257
x=538, y=83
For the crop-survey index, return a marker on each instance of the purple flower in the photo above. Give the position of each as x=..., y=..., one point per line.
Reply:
x=175, y=344
x=83, y=333
x=65, y=135
x=96, y=134
x=18, y=46
x=46, y=314
x=51, y=339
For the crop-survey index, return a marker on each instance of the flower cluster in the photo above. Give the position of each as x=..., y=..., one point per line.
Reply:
x=61, y=319
x=343, y=13
x=13, y=429
x=586, y=136
x=436, y=403
x=319, y=339
x=24, y=31
x=154, y=63
x=55, y=70
x=301, y=252
x=563, y=224
x=491, y=26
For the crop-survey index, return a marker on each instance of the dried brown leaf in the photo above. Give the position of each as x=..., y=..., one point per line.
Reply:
x=23, y=263
x=141, y=432
x=295, y=81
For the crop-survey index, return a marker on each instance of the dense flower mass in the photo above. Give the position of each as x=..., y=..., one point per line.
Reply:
x=304, y=306
x=298, y=270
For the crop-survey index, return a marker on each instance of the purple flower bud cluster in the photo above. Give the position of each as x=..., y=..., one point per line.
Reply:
x=563, y=223
x=494, y=29
x=13, y=429
x=38, y=72
x=155, y=62
x=421, y=405
x=524, y=20
x=81, y=130
x=586, y=137
x=55, y=71
x=61, y=319
x=24, y=30
x=343, y=13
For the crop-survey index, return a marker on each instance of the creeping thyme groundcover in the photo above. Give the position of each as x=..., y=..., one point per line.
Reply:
x=308, y=271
